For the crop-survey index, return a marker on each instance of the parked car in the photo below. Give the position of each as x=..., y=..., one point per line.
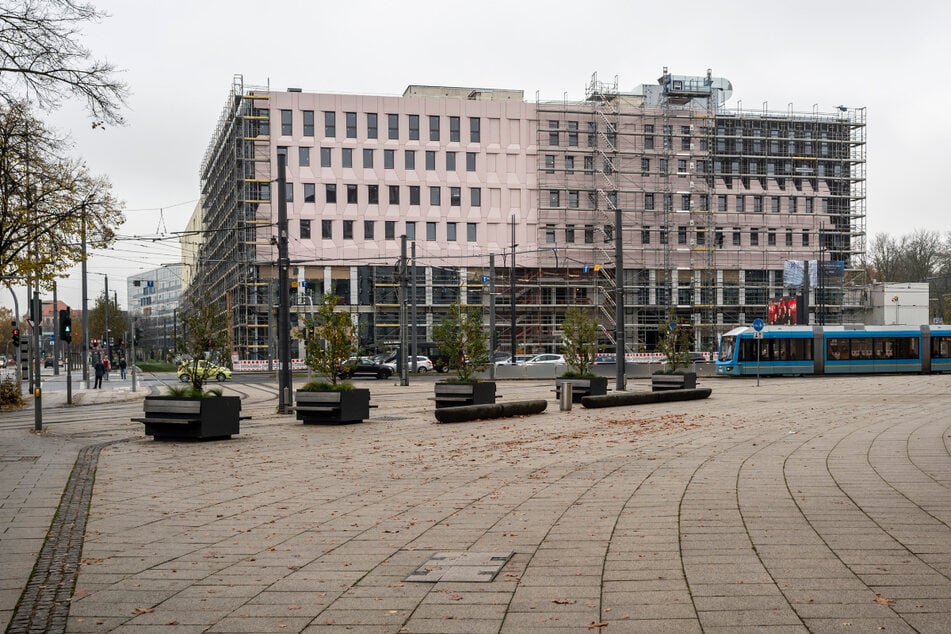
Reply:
x=547, y=358
x=520, y=359
x=423, y=364
x=204, y=368
x=50, y=362
x=364, y=366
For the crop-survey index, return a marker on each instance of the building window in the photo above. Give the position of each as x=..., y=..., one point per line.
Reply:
x=327, y=229
x=450, y=232
x=373, y=194
x=592, y=133
x=592, y=199
x=470, y=161
x=367, y=158
x=569, y=233
x=308, y=122
x=455, y=196
x=648, y=136
x=435, y=196
x=475, y=130
x=410, y=159
x=310, y=193
x=771, y=237
x=330, y=191
x=685, y=202
x=793, y=204
x=389, y=230
x=721, y=202
x=394, y=194
x=393, y=126
x=774, y=204
x=414, y=127
x=304, y=229
x=805, y=237
x=704, y=202
x=475, y=196
x=552, y=133
x=549, y=163
x=372, y=126
x=430, y=160
x=645, y=167
x=433, y=127
x=741, y=204
x=351, y=125
x=289, y=191
x=682, y=166
x=737, y=237
x=809, y=205
x=589, y=234
x=788, y=237
x=682, y=234
x=569, y=165
x=685, y=137
x=718, y=237
x=389, y=159
x=410, y=230
x=550, y=234
x=369, y=228
x=554, y=198
x=346, y=155
x=454, y=129
x=348, y=230
x=649, y=201
x=588, y=164
x=573, y=199
x=645, y=235
x=663, y=235
x=287, y=123
x=325, y=157
x=471, y=232
x=351, y=194
x=450, y=161
x=414, y=195
x=573, y=133
x=330, y=124
x=754, y=236
x=303, y=156
x=431, y=231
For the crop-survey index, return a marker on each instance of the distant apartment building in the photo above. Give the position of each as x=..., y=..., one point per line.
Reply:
x=701, y=205
x=153, y=301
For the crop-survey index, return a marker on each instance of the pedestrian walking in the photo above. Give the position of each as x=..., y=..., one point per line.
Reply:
x=105, y=365
x=122, y=368
x=100, y=372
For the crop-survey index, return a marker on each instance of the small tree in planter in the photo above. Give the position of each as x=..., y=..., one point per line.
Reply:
x=580, y=343
x=191, y=411
x=462, y=340
x=331, y=340
x=674, y=343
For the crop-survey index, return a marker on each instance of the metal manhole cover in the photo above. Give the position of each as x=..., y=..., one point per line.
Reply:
x=461, y=566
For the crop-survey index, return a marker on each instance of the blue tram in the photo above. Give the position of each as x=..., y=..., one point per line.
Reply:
x=835, y=350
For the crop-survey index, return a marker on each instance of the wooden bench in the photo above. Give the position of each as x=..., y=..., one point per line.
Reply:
x=192, y=418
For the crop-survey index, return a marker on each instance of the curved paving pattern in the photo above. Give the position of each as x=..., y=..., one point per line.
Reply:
x=804, y=505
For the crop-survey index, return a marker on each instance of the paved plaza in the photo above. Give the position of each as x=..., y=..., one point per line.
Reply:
x=801, y=505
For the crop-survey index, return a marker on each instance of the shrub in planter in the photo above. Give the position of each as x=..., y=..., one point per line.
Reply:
x=579, y=332
x=674, y=343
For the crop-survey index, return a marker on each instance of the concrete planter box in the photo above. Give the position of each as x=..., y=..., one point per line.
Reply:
x=197, y=418
x=459, y=394
x=685, y=381
x=332, y=407
x=594, y=386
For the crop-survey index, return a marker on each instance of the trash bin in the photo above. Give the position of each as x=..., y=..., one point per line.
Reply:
x=566, y=396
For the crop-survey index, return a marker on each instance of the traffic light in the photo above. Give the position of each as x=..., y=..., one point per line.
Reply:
x=65, y=326
x=16, y=335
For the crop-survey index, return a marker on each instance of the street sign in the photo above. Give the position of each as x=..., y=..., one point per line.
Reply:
x=672, y=325
x=758, y=334
x=758, y=325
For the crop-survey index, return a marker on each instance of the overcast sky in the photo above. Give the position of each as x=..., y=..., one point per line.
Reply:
x=180, y=57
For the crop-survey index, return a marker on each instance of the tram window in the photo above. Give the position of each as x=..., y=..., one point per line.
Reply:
x=906, y=348
x=726, y=348
x=837, y=349
x=862, y=348
x=941, y=347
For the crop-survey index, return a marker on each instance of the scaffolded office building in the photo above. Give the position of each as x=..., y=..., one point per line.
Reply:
x=705, y=203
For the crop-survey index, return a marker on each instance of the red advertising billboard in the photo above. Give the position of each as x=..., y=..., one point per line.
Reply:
x=781, y=312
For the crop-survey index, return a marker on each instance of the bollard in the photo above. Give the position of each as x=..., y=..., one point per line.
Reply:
x=566, y=396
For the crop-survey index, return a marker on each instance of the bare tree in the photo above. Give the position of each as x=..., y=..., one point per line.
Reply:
x=885, y=258
x=42, y=58
x=47, y=202
x=921, y=254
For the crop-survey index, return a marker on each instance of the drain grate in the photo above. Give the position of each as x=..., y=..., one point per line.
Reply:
x=19, y=458
x=388, y=419
x=461, y=566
